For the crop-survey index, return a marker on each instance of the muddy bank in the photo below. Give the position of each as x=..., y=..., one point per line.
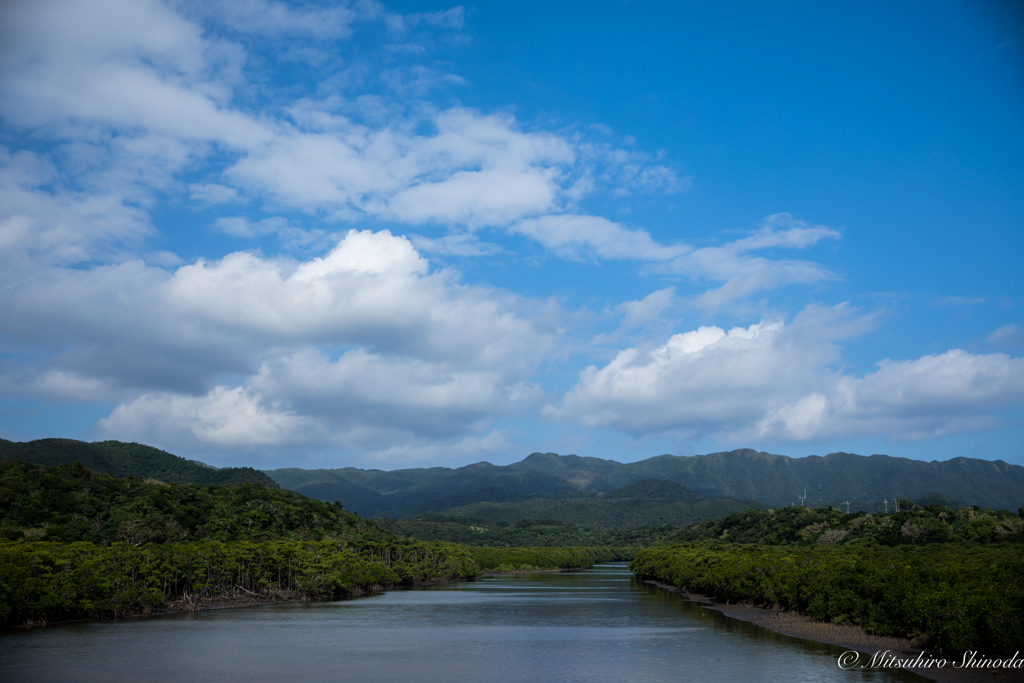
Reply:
x=851, y=637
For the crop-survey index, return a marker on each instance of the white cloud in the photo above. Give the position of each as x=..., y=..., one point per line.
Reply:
x=775, y=381
x=225, y=417
x=646, y=310
x=373, y=288
x=360, y=401
x=629, y=171
x=459, y=244
x=54, y=225
x=140, y=93
x=278, y=19
x=906, y=400
x=473, y=170
x=743, y=273
x=573, y=236
x=418, y=356
x=399, y=24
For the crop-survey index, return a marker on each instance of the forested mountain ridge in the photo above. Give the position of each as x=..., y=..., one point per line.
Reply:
x=745, y=474
x=780, y=480
x=71, y=503
x=402, y=493
x=129, y=460
x=650, y=503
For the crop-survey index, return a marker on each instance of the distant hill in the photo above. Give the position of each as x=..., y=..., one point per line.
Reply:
x=649, y=503
x=527, y=532
x=519, y=490
x=779, y=480
x=129, y=460
x=73, y=503
x=404, y=493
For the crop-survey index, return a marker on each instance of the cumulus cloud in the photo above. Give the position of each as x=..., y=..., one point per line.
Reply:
x=418, y=356
x=776, y=381
x=228, y=417
x=360, y=400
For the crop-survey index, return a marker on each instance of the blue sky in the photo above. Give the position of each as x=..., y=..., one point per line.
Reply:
x=409, y=234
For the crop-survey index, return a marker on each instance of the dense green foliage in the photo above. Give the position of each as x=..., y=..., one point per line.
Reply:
x=45, y=581
x=597, y=511
x=527, y=559
x=775, y=480
x=71, y=503
x=779, y=480
x=913, y=525
x=529, y=532
x=129, y=460
x=952, y=596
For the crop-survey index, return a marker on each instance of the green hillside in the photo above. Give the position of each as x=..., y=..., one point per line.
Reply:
x=915, y=524
x=780, y=480
x=129, y=460
x=528, y=533
x=625, y=508
x=403, y=493
x=70, y=503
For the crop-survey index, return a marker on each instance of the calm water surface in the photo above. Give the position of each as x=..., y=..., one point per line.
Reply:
x=594, y=625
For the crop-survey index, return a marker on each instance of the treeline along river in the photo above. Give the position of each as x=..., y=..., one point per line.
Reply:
x=599, y=624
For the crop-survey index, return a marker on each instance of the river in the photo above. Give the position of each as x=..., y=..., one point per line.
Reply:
x=593, y=625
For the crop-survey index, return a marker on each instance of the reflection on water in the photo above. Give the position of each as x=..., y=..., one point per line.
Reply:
x=594, y=625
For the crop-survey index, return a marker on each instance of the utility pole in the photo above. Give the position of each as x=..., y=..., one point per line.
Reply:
x=847, y=504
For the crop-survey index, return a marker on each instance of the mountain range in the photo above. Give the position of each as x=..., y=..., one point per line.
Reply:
x=745, y=475
x=585, y=491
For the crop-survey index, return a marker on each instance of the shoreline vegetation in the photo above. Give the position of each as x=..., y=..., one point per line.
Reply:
x=947, y=597
x=849, y=636
x=46, y=582
x=75, y=543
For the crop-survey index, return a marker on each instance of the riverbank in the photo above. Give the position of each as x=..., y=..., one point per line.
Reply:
x=244, y=598
x=849, y=636
x=239, y=598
